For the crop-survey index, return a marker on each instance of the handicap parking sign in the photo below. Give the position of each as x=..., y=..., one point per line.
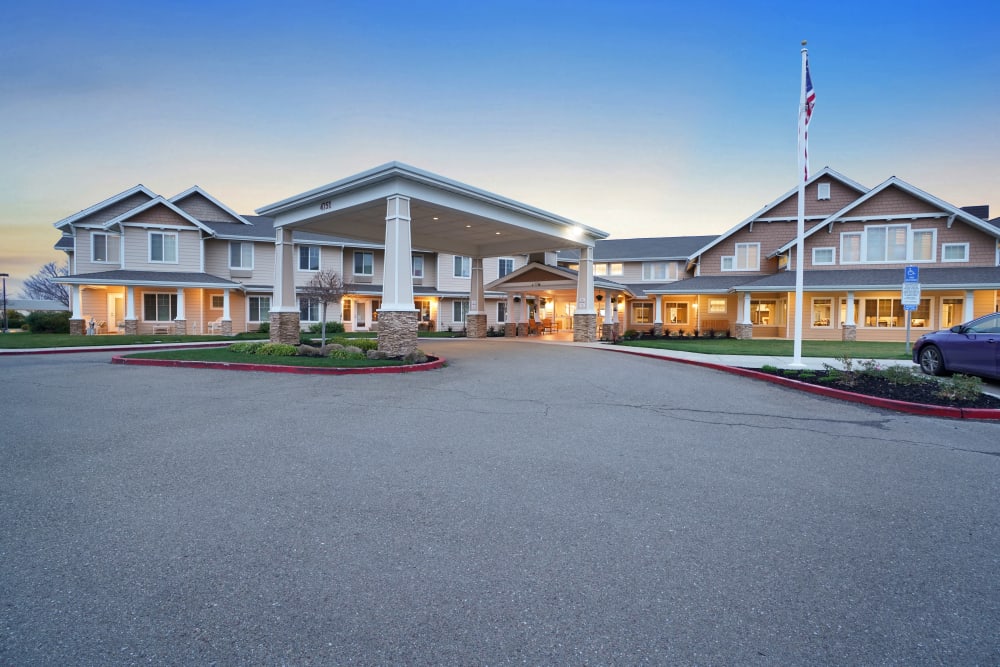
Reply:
x=912, y=274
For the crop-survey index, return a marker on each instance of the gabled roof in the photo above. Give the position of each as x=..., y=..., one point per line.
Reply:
x=825, y=172
x=66, y=243
x=701, y=285
x=948, y=209
x=557, y=277
x=140, y=188
x=148, y=278
x=194, y=189
x=641, y=249
x=157, y=201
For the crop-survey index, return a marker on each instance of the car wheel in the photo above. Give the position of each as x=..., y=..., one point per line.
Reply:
x=931, y=361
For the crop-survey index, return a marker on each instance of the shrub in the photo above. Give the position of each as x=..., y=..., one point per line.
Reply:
x=265, y=327
x=901, y=375
x=345, y=354
x=363, y=344
x=768, y=368
x=15, y=320
x=248, y=347
x=277, y=350
x=961, y=388
x=631, y=334
x=46, y=322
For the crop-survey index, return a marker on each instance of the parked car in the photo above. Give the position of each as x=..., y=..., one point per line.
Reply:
x=972, y=348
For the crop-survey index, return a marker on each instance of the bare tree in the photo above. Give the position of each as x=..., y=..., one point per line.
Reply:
x=326, y=287
x=42, y=285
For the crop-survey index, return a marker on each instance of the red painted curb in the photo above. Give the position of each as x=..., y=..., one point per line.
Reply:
x=269, y=368
x=840, y=394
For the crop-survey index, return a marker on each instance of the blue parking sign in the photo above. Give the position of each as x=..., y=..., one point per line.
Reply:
x=912, y=274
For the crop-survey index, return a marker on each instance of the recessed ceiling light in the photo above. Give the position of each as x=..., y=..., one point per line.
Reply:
x=497, y=233
x=468, y=226
x=435, y=217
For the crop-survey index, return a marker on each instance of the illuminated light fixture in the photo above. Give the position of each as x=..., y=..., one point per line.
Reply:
x=497, y=233
x=434, y=218
x=468, y=226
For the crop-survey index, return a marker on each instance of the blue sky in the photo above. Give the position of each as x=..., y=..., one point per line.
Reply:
x=639, y=118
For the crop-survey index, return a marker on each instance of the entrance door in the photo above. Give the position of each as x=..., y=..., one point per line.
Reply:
x=116, y=311
x=361, y=316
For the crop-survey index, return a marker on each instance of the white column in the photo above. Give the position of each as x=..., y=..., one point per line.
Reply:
x=657, y=309
x=74, y=297
x=522, y=315
x=585, y=283
x=510, y=308
x=225, y=304
x=746, y=308
x=180, y=304
x=397, y=273
x=477, y=297
x=968, y=305
x=129, y=303
x=614, y=309
x=849, y=317
x=283, y=299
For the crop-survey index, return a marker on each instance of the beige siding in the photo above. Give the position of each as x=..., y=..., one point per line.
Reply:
x=770, y=236
x=840, y=196
x=446, y=280
x=114, y=210
x=137, y=251
x=197, y=206
x=84, y=252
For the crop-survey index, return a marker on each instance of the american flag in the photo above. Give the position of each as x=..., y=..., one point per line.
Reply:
x=805, y=115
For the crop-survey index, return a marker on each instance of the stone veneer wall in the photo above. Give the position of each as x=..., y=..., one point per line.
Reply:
x=77, y=327
x=227, y=328
x=180, y=327
x=522, y=329
x=131, y=327
x=510, y=329
x=609, y=332
x=397, y=332
x=475, y=325
x=584, y=328
x=849, y=333
x=658, y=329
x=284, y=328
x=744, y=331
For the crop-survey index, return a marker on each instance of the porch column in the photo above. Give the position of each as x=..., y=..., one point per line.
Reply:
x=609, y=327
x=850, y=327
x=397, y=317
x=585, y=317
x=77, y=327
x=657, y=315
x=475, y=321
x=521, y=308
x=744, y=327
x=968, y=306
x=284, y=311
x=180, y=322
x=227, y=322
x=510, y=325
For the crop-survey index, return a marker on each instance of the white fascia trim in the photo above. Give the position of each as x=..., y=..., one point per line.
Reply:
x=826, y=171
x=399, y=170
x=158, y=201
x=197, y=189
x=83, y=280
x=107, y=202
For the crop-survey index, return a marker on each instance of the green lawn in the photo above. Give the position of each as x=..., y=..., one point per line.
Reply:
x=779, y=348
x=223, y=355
x=27, y=341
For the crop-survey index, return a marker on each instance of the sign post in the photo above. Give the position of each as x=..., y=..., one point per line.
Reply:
x=910, y=296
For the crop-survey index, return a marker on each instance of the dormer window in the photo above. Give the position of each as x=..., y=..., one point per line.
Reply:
x=747, y=258
x=822, y=191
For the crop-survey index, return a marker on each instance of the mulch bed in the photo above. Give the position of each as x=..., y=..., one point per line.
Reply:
x=926, y=391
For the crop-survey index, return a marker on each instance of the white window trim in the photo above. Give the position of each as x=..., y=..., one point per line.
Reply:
x=642, y=305
x=413, y=266
x=822, y=191
x=725, y=307
x=149, y=245
x=211, y=301
x=258, y=297
x=831, y=262
x=910, y=232
x=466, y=262
x=502, y=304
x=946, y=245
x=466, y=309
x=505, y=259
x=831, y=302
x=243, y=244
x=669, y=271
x=354, y=263
x=861, y=247
x=733, y=258
x=107, y=248
x=319, y=258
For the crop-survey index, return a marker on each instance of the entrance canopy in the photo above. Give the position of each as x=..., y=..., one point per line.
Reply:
x=445, y=215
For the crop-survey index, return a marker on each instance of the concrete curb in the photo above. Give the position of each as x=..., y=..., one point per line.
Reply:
x=873, y=401
x=271, y=368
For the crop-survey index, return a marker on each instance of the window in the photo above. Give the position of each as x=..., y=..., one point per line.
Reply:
x=616, y=269
x=922, y=246
x=747, y=258
x=824, y=255
x=308, y=258
x=890, y=313
x=717, y=306
x=764, y=312
x=501, y=311
x=822, y=191
x=364, y=263
x=376, y=304
x=600, y=269
x=163, y=247
x=260, y=309
x=505, y=265
x=418, y=266
x=423, y=307
x=843, y=310
x=955, y=252
x=850, y=248
x=309, y=310
x=218, y=302
x=951, y=312
x=659, y=271
x=676, y=312
x=459, y=309
x=103, y=248
x=159, y=307
x=345, y=310
x=240, y=255
x=463, y=269
x=642, y=313
x=822, y=313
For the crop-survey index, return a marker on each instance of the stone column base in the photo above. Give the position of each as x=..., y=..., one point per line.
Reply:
x=131, y=327
x=584, y=328
x=658, y=328
x=77, y=327
x=180, y=327
x=227, y=329
x=475, y=325
x=609, y=332
x=509, y=329
x=744, y=331
x=284, y=328
x=522, y=329
x=849, y=333
x=397, y=332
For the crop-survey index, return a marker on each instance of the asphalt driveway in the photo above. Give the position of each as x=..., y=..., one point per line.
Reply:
x=528, y=504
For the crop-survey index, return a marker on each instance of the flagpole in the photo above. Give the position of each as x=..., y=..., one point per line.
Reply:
x=800, y=230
